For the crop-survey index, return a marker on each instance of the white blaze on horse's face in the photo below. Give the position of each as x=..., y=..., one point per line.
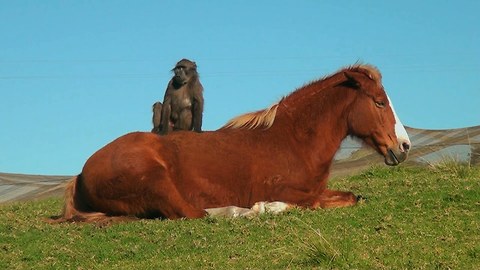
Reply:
x=402, y=136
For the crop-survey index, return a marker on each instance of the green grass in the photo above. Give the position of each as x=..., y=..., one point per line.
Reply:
x=410, y=218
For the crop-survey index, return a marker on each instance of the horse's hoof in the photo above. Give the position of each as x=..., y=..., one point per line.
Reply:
x=361, y=199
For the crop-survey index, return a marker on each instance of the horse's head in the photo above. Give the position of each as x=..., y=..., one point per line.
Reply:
x=372, y=117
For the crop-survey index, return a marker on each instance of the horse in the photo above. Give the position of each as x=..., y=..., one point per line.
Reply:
x=280, y=154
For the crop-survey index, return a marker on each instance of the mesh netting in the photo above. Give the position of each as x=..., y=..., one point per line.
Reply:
x=428, y=147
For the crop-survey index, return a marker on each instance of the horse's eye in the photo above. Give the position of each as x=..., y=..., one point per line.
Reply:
x=380, y=104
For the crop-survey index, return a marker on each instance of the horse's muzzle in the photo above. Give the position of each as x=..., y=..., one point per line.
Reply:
x=397, y=155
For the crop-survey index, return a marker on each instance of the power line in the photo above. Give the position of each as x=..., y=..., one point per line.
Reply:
x=238, y=73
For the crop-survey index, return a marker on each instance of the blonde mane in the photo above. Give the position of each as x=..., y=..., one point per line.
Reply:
x=253, y=120
x=265, y=118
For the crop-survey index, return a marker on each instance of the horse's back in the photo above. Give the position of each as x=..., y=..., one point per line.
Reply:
x=114, y=153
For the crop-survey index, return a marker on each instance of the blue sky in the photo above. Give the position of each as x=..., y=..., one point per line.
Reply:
x=74, y=75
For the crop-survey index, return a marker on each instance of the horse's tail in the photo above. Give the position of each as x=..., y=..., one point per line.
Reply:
x=74, y=208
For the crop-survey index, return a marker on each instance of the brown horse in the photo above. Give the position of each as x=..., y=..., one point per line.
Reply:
x=282, y=153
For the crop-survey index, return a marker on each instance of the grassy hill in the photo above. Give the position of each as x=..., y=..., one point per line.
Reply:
x=410, y=217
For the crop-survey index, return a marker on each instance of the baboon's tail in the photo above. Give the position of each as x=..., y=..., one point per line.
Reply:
x=157, y=116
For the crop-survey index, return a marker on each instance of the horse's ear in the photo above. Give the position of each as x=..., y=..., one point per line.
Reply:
x=352, y=79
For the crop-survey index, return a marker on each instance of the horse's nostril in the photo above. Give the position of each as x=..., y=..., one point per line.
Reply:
x=405, y=146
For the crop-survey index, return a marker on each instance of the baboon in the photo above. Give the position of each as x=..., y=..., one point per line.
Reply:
x=183, y=101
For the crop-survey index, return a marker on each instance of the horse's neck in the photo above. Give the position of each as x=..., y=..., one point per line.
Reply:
x=319, y=124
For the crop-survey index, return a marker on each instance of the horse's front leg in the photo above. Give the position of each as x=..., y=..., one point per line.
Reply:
x=334, y=198
x=313, y=197
x=294, y=194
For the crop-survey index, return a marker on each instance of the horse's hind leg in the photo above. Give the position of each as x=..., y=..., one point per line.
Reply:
x=167, y=200
x=334, y=198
